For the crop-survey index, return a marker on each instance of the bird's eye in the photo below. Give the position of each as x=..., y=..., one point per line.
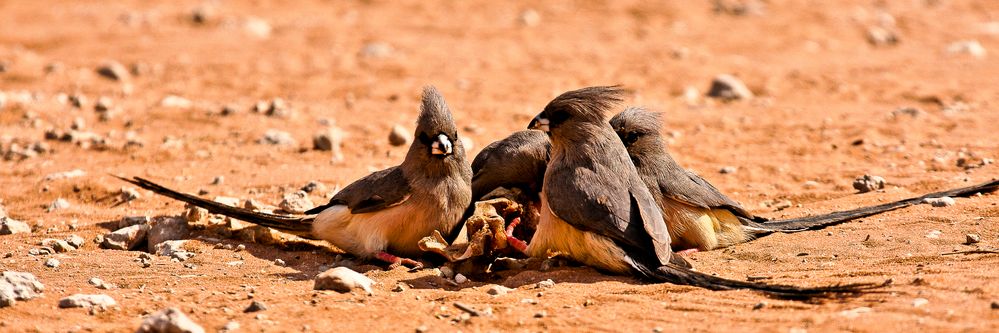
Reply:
x=557, y=117
x=631, y=137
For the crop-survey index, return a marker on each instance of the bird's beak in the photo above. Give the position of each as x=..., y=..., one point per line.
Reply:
x=442, y=146
x=539, y=123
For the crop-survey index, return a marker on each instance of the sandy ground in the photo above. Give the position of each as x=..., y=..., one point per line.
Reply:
x=823, y=113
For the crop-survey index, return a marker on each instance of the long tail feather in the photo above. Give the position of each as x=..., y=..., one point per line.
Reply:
x=685, y=276
x=297, y=225
x=824, y=220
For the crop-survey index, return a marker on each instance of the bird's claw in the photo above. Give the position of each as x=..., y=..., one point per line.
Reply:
x=517, y=244
x=395, y=261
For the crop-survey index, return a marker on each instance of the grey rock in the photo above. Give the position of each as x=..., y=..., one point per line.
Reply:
x=972, y=239
x=9, y=226
x=879, y=36
x=343, y=279
x=255, y=306
x=728, y=170
x=867, y=183
x=377, y=50
x=279, y=109
x=314, y=186
x=195, y=214
x=127, y=194
x=76, y=241
x=164, y=229
x=129, y=221
x=497, y=290
x=100, y=284
x=278, y=138
x=296, y=202
x=173, y=249
x=113, y=70
x=170, y=320
x=65, y=175
x=58, y=204
x=87, y=301
x=729, y=88
x=18, y=286
x=330, y=140
x=940, y=202
x=969, y=47
x=400, y=136
x=58, y=245
x=125, y=238
x=545, y=284
x=52, y=263
x=177, y=102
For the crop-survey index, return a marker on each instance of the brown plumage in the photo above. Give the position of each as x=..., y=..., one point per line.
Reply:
x=596, y=209
x=387, y=211
x=701, y=217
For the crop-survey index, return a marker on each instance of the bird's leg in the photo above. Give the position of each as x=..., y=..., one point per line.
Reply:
x=517, y=244
x=395, y=261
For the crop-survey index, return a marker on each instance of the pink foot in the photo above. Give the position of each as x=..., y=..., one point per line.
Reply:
x=517, y=244
x=395, y=261
x=688, y=251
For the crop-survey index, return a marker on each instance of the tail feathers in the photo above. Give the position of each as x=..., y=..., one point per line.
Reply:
x=685, y=276
x=820, y=221
x=296, y=225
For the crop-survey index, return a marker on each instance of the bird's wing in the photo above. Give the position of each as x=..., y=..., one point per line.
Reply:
x=596, y=198
x=689, y=188
x=374, y=192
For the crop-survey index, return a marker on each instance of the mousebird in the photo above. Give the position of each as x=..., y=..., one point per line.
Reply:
x=699, y=216
x=596, y=210
x=382, y=215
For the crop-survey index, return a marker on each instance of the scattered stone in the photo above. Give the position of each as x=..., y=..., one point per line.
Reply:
x=399, y=288
x=87, y=301
x=278, y=138
x=279, y=262
x=934, y=234
x=258, y=206
x=255, y=306
x=279, y=109
x=173, y=101
x=879, y=36
x=173, y=249
x=729, y=88
x=459, y=278
x=9, y=226
x=129, y=221
x=343, y=279
x=972, y=239
x=995, y=305
x=100, y=284
x=18, y=286
x=314, y=186
x=240, y=247
x=446, y=272
x=546, y=284
x=58, y=245
x=127, y=194
x=218, y=180
x=231, y=326
x=399, y=136
x=52, y=263
x=940, y=202
x=171, y=320
x=759, y=305
x=868, y=183
x=497, y=290
x=228, y=110
x=811, y=184
x=541, y=314
x=918, y=302
x=376, y=50
x=330, y=140
x=257, y=27
x=76, y=241
x=57, y=205
x=78, y=124
x=728, y=170
x=113, y=70
x=165, y=229
x=230, y=201
x=125, y=238
x=970, y=47
x=296, y=202
x=529, y=18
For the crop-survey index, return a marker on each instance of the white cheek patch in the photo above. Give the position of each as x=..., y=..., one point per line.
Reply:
x=442, y=146
x=544, y=124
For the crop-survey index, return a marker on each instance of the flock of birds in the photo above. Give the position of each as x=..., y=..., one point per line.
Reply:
x=609, y=195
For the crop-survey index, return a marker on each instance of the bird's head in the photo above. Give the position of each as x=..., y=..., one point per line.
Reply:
x=572, y=111
x=638, y=128
x=436, y=134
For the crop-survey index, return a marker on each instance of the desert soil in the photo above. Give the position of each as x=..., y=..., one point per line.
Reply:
x=830, y=106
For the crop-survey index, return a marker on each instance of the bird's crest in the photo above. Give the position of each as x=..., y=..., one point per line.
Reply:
x=637, y=119
x=591, y=103
x=435, y=116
